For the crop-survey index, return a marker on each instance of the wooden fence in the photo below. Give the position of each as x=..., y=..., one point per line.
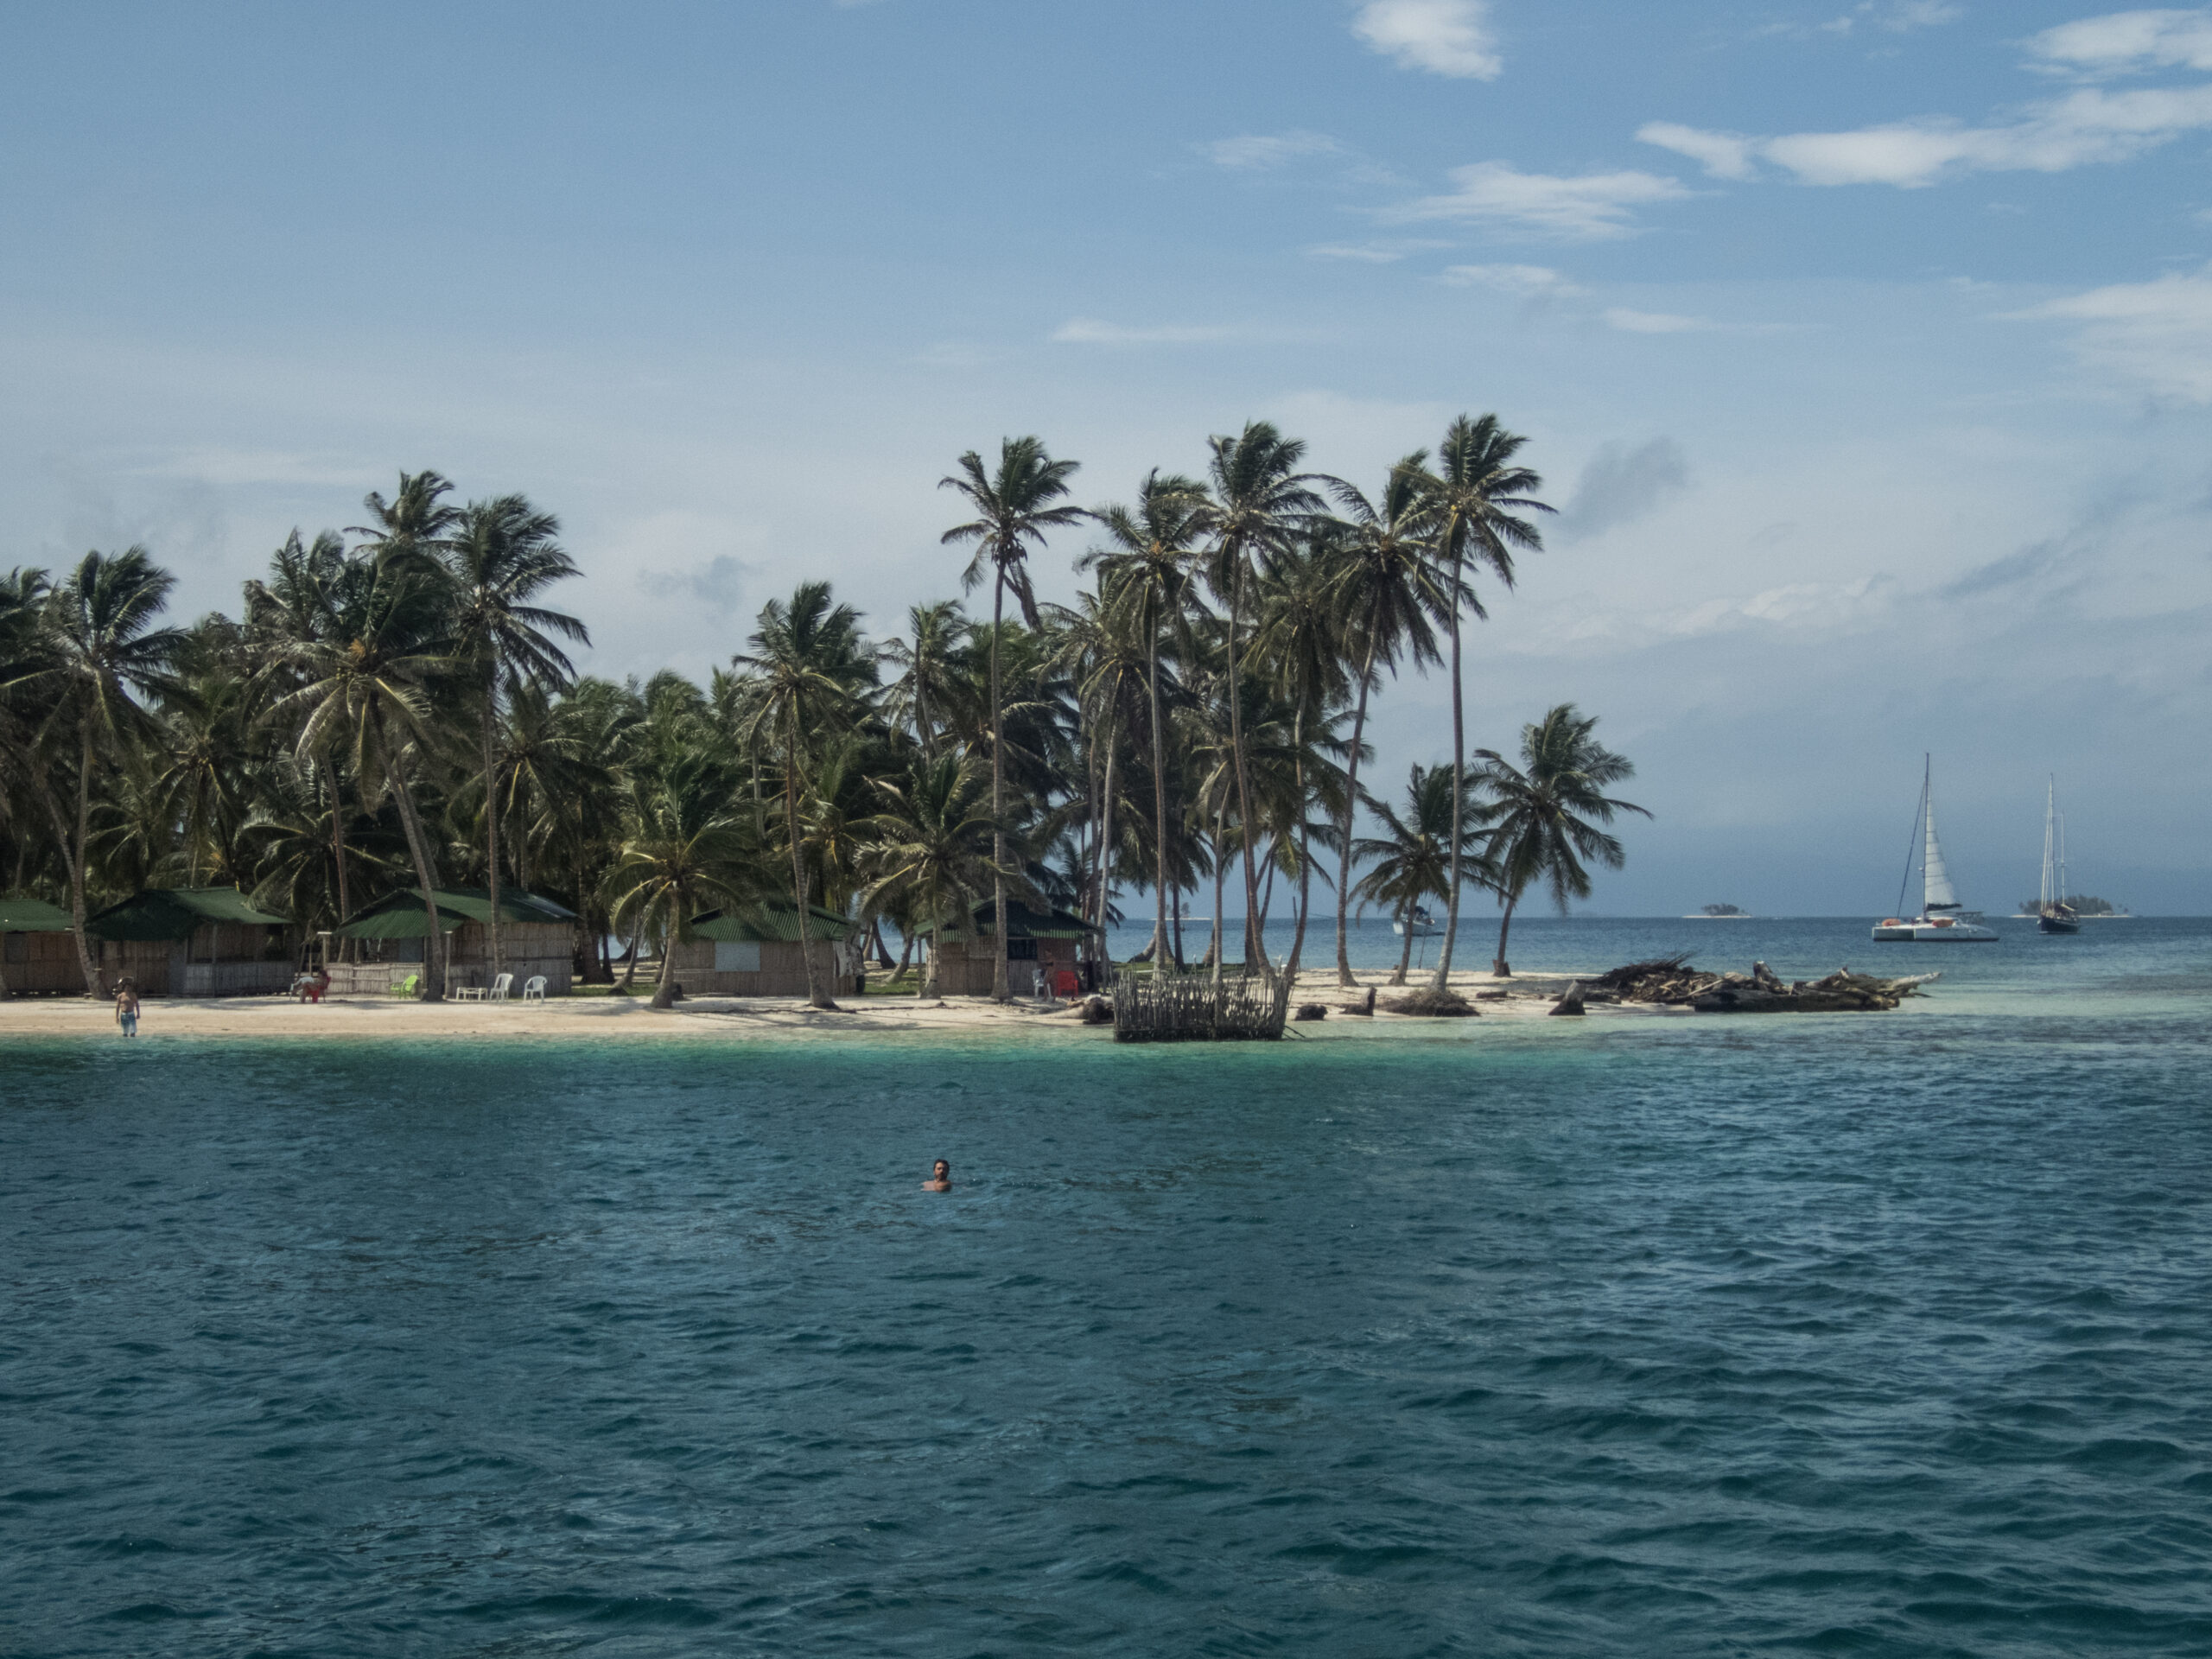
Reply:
x=1191, y=1009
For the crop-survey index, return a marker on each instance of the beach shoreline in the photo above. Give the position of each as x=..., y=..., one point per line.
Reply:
x=1527, y=996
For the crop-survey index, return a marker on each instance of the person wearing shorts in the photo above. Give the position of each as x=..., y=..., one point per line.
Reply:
x=126, y=1008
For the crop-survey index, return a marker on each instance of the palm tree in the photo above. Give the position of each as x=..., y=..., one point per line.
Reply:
x=103, y=647
x=1260, y=502
x=1300, y=636
x=931, y=850
x=1147, y=581
x=927, y=667
x=686, y=846
x=1386, y=591
x=1547, y=809
x=812, y=661
x=1014, y=510
x=376, y=646
x=1411, y=859
x=502, y=554
x=1474, y=493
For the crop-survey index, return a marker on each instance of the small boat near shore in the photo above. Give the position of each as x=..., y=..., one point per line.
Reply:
x=1942, y=919
x=1720, y=913
x=1420, y=924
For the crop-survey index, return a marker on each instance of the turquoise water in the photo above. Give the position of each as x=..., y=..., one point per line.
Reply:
x=1883, y=1335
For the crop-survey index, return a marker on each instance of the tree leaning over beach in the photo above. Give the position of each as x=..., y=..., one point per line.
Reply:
x=1259, y=504
x=502, y=554
x=1475, y=492
x=1147, y=579
x=1546, y=811
x=1387, y=590
x=1015, y=509
x=102, y=653
x=812, y=659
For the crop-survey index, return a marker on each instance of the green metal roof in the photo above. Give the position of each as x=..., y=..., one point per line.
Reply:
x=771, y=921
x=399, y=914
x=28, y=915
x=1023, y=923
x=173, y=913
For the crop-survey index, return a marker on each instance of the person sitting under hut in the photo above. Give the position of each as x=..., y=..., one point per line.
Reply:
x=940, y=1178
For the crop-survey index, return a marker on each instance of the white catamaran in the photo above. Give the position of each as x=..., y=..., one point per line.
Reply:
x=1942, y=919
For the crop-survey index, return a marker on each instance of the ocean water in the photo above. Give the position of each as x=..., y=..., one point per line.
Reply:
x=1865, y=1335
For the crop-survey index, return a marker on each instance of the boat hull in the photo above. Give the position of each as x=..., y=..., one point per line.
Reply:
x=2057, y=924
x=1918, y=931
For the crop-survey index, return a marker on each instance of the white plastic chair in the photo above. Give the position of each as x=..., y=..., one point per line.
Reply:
x=533, y=988
x=499, y=986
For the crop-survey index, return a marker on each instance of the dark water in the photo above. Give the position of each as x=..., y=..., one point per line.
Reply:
x=1880, y=1335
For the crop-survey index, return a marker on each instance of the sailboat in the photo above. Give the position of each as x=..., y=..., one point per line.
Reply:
x=1420, y=922
x=1942, y=919
x=2053, y=914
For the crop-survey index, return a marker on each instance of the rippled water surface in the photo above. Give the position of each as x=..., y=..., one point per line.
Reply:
x=1859, y=1335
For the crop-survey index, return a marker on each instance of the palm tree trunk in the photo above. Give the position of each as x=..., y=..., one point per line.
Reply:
x=1458, y=793
x=1351, y=807
x=1159, y=815
x=1305, y=890
x=93, y=986
x=905, y=955
x=1405, y=952
x=1220, y=879
x=338, y=846
x=1253, y=951
x=1105, y=844
x=491, y=832
x=1499, y=967
x=418, y=849
x=1181, y=965
x=999, y=992
x=664, y=981
x=815, y=998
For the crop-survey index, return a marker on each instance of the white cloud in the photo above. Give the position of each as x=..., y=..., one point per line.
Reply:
x=1897, y=16
x=1255, y=150
x=1655, y=322
x=1373, y=253
x=1593, y=205
x=1525, y=282
x=1088, y=331
x=2158, y=333
x=2123, y=42
x=2085, y=127
x=1723, y=155
x=1444, y=37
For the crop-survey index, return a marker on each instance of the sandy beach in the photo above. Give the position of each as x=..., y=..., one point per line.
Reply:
x=1527, y=996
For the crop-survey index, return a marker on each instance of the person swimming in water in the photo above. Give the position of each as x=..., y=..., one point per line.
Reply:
x=940, y=1178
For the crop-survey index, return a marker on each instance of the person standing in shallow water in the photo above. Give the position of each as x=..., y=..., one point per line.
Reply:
x=126, y=1008
x=940, y=1178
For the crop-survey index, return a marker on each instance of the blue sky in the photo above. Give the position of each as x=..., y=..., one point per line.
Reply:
x=1865, y=347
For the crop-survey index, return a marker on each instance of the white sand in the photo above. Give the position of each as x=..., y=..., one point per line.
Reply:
x=613, y=1017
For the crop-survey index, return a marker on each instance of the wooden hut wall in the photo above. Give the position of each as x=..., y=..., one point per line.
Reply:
x=221, y=959
x=39, y=962
x=781, y=973
x=964, y=966
x=527, y=949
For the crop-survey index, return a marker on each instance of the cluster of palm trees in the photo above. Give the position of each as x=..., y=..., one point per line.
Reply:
x=395, y=707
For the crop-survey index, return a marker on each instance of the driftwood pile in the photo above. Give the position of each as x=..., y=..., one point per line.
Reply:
x=1670, y=982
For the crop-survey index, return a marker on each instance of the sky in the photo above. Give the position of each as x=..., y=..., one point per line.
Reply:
x=1865, y=346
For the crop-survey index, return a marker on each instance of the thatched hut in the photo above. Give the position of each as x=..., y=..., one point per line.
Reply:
x=1041, y=945
x=192, y=942
x=753, y=950
x=538, y=939
x=38, y=949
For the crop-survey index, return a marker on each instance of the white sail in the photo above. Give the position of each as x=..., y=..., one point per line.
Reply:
x=2054, y=882
x=1937, y=895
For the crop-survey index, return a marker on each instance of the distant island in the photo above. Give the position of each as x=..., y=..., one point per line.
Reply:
x=1719, y=913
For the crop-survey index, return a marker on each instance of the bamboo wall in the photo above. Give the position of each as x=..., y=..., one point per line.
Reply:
x=39, y=962
x=1191, y=1007
x=782, y=972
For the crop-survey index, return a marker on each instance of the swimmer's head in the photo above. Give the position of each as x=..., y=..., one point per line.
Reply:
x=940, y=1171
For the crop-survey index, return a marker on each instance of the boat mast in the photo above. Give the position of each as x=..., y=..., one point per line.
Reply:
x=2050, y=832
x=1912, y=847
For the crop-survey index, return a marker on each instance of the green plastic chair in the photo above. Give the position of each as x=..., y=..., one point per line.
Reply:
x=409, y=986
